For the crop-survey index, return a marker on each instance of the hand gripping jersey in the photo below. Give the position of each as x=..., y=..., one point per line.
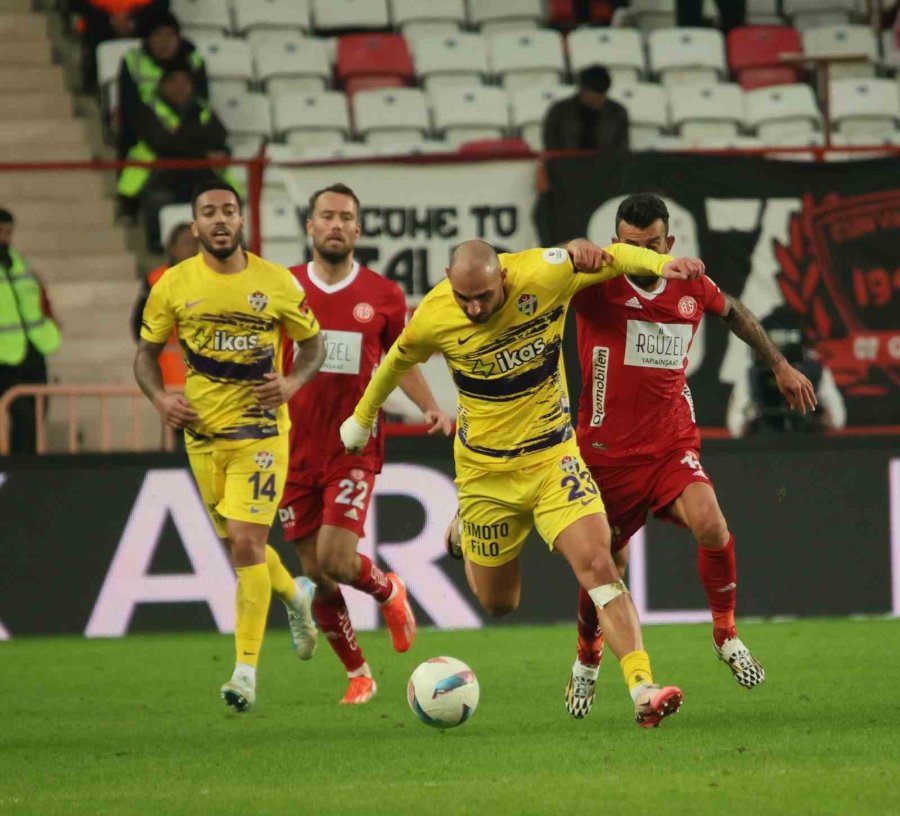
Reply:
x=513, y=403
x=361, y=317
x=231, y=329
x=633, y=345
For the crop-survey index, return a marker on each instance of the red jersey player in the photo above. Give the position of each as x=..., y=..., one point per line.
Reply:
x=637, y=432
x=328, y=491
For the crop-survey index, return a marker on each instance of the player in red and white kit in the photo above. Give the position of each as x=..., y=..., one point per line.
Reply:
x=327, y=494
x=638, y=435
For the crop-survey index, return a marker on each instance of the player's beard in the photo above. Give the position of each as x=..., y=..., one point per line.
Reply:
x=334, y=256
x=223, y=252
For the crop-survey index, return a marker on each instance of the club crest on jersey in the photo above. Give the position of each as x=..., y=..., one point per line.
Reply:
x=569, y=464
x=358, y=473
x=264, y=460
x=363, y=312
x=687, y=306
x=258, y=301
x=527, y=304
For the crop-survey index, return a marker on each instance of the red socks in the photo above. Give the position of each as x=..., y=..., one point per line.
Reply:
x=590, y=637
x=718, y=574
x=334, y=620
x=372, y=580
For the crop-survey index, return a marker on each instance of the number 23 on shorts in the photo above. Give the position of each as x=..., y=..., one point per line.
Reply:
x=579, y=486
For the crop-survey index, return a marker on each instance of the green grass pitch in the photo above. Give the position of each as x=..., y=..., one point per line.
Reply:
x=135, y=726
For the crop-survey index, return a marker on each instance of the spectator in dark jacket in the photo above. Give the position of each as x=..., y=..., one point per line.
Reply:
x=588, y=120
x=142, y=68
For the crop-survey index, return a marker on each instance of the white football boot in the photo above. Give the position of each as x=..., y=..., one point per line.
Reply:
x=580, y=689
x=744, y=666
x=304, y=634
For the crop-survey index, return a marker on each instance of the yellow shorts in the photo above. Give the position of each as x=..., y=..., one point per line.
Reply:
x=243, y=483
x=497, y=509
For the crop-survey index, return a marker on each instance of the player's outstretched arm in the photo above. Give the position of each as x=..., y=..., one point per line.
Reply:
x=794, y=386
x=175, y=410
x=309, y=355
x=603, y=263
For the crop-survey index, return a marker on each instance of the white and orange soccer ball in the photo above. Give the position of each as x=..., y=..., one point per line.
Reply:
x=443, y=692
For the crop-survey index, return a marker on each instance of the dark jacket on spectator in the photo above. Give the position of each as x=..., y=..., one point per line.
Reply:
x=571, y=125
x=199, y=132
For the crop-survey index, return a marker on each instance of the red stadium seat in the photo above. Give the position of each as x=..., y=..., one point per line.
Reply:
x=504, y=147
x=381, y=55
x=368, y=83
x=561, y=13
x=754, y=55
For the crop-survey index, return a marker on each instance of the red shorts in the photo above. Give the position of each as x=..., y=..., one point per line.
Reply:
x=340, y=499
x=631, y=491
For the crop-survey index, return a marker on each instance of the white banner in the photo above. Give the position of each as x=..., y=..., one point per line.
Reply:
x=412, y=215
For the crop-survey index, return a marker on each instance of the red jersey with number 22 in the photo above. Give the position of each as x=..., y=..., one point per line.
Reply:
x=360, y=316
x=633, y=345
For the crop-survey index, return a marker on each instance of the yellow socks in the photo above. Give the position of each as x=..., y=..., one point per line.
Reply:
x=254, y=591
x=282, y=582
x=636, y=668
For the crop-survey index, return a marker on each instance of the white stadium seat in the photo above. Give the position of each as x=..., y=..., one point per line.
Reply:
x=467, y=114
x=523, y=58
x=385, y=113
x=171, y=215
x=781, y=110
x=763, y=12
x=279, y=219
x=646, y=106
x=683, y=55
x=246, y=114
x=335, y=15
x=324, y=112
x=109, y=58
x=453, y=59
x=619, y=49
x=271, y=14
x=649, y=15
x=203, y=15
x=229, y=62
x=707, y=111
x=299, y=64
x=806, y=14
x=843, y=40
x=406, y=13
x=870, y=106
x=495, y=15
x=528, y=107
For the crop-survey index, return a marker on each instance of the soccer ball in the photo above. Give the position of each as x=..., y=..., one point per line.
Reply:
x=443, y=692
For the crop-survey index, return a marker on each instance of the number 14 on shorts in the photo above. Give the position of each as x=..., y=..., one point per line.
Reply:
x=263, y=485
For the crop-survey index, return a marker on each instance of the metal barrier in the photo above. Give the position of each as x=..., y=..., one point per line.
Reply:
x=72, y=393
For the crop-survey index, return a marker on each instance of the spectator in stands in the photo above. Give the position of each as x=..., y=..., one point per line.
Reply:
x=28, y=333
x=757, y=407
x=732, y=13
x=589, y=120
x=143, y=67
x=175, y=125
x=100, y=20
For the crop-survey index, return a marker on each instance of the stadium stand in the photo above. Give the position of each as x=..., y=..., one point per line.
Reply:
x=368, y=61
x=619, y=49
x=781, y=112
x=754, y=55
x=211, y=17
x=522, y=58
x=291, y=64
x=277, y=15
x=428, y=18
x=336, y=16
x=379, y=115
x=685, y=55
x=450, y=59
x=843, y=41
x=463, y=114
x=701, y=112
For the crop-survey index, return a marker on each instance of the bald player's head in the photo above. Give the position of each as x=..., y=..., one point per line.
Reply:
x=476, y=279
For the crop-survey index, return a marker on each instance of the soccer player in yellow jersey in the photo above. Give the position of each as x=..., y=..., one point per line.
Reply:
x=232, y=311
x=498, y=322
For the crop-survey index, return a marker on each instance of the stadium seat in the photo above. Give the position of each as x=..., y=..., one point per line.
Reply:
x=511, y=146
x=806, y=14
x=763, y=12
x=890, y=51
x=381, y=115
x=212, y=16
x=869, y=106
x=647, y=15
x=646, y=106
x=561, y=13
x=245, y=146
x=272, y=14
x=523, y=58
x=778, y=112
x=754, y=55
x=371, y=83
x=417, y=18
x=707, y=111
x=528, y=107
x=246, y=114
x=451, y=60
x=171, y=215
x=493, y=16
x=619, y=49
x=297, y=64
x=323, y=113
x=685, y=55
x=843, y=40
x=279, y=219
x=373, y=55
x=109, y=58
x=229, y=62
x=348, y=15
x=466, y=114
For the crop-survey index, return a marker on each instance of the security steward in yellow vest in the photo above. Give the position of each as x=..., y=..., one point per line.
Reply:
x=28, y=334
x=142, y=68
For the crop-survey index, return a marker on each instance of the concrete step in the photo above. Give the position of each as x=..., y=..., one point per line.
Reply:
x=59, y=185
x=51, y=214
x=48, y=152
x=15, y=6
x=100, y=266
x=49, y=79
x=69, y=240
x=22, y=132
x=23, y=52
x=35, y=105
x=17, y=28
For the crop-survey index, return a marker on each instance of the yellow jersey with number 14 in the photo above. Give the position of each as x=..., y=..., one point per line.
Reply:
x=231, y=329
x=513, y=402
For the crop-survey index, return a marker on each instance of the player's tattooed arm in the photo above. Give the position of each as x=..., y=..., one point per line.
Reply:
x=309, y=354
x=175, y=410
